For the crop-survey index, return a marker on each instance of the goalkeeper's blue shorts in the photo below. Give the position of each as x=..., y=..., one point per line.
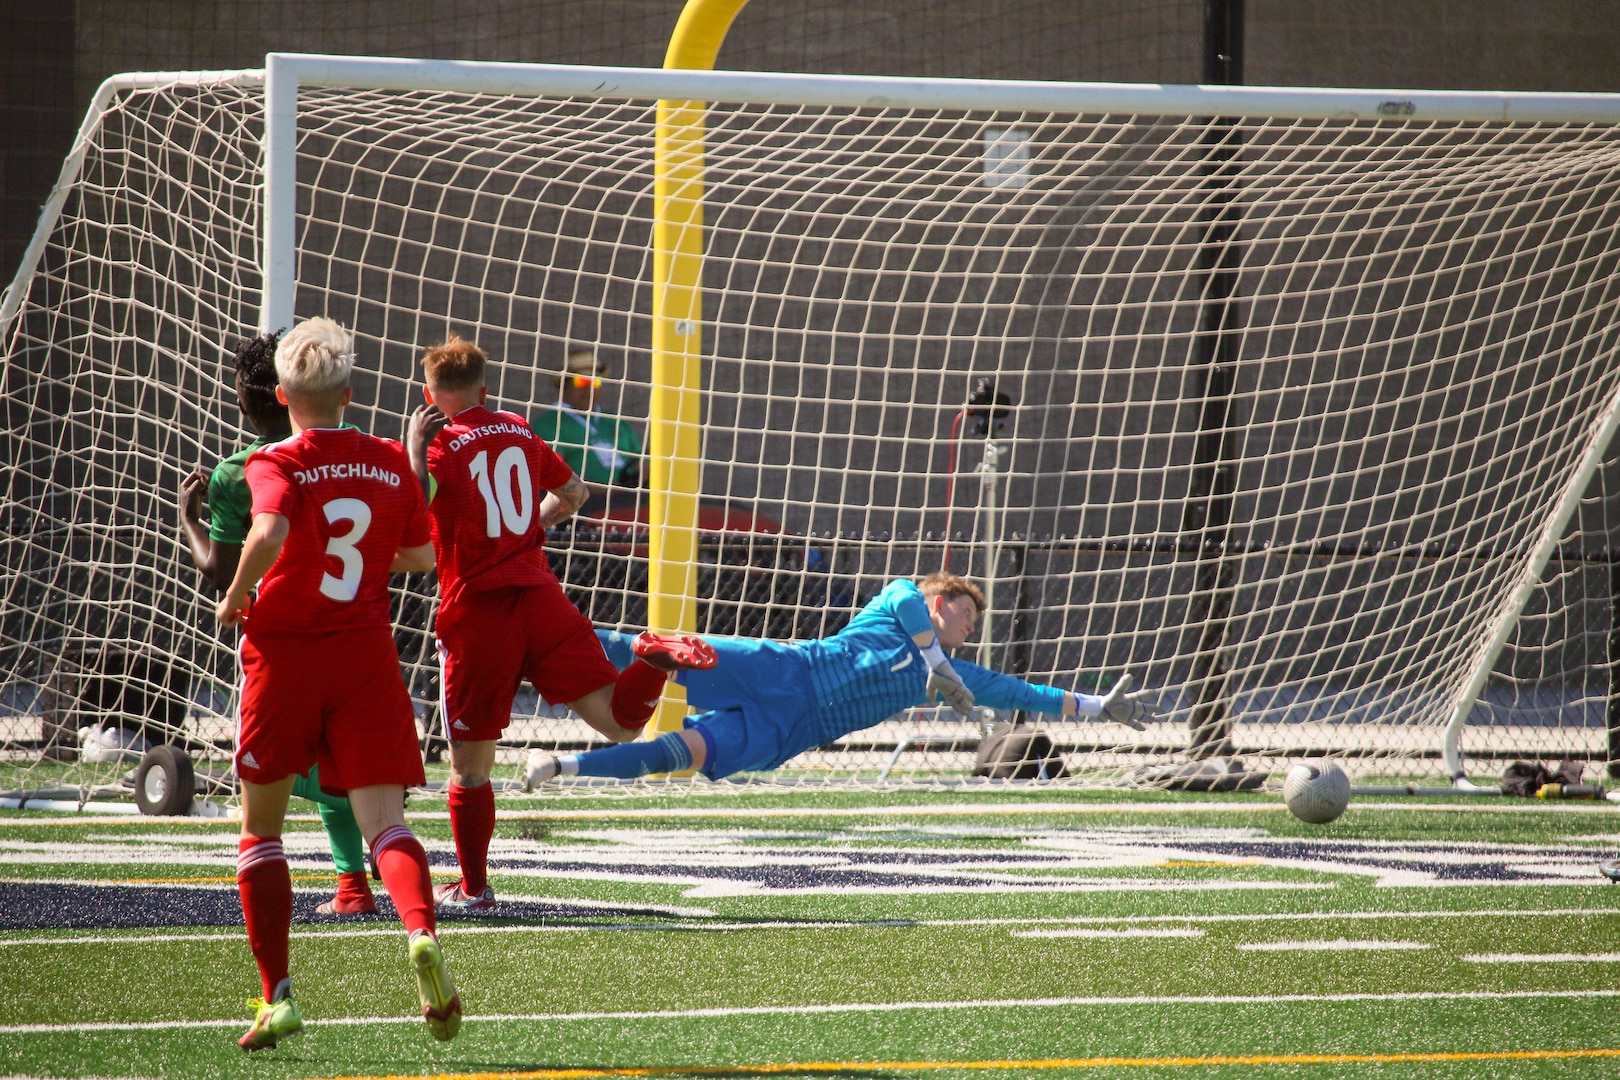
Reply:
x=758, y=705
x=757, y=701
x=616, y=645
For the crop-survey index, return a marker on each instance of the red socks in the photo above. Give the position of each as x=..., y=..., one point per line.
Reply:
x=267, y=897
x=404, y=869
x=267, y=900
x=636, y=694
x=353, y=894
x=472, y=822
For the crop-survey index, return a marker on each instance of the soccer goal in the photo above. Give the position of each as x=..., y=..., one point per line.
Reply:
x=1284, y=401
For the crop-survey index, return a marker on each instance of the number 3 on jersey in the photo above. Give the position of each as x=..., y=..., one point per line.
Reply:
x=345, y=548
x=509, y=494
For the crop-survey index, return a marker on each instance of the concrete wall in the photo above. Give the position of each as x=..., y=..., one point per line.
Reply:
x=39, y=113
x=1569, y=45
x=1453, y=44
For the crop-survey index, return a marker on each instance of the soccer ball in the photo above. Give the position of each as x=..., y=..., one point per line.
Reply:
x=1317, y=793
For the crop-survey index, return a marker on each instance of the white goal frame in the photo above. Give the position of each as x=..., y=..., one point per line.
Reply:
x=286, y=74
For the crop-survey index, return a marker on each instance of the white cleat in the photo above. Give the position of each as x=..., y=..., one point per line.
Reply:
x=542, y=767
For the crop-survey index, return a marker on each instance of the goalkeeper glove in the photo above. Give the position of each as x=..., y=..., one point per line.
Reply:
x=1120, y=707
x=948, y=685
x=943, y=681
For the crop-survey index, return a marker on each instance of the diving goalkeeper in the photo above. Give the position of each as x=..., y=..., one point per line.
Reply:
x=765, y=702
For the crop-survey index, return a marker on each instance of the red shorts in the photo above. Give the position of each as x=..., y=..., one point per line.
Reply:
x=336, y=700
x=489, y=642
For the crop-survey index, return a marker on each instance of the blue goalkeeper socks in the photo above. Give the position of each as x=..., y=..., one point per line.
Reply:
x=627, y=761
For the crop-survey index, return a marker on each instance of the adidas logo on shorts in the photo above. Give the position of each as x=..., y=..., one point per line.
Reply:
x=249, y=761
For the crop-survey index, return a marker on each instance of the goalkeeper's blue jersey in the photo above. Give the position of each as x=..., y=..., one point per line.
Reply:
x=866, y=673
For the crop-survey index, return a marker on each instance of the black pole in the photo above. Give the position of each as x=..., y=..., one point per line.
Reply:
x=1612, y=712
x=1022, y=625
x=1223, y=42
x=1208, y=513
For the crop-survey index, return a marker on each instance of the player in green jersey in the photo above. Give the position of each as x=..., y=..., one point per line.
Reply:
x=216, y=547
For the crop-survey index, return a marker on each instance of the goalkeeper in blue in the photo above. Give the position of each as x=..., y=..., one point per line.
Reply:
x=765, y=702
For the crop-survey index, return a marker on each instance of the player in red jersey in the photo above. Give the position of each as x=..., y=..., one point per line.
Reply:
x=335, y=512
x=495, y=489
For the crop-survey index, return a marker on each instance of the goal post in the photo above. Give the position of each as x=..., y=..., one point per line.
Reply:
x=1597, y=445
x=1419, y=381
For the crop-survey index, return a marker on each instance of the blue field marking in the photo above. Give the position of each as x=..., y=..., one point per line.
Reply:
x=73, y=906
x=709, y=862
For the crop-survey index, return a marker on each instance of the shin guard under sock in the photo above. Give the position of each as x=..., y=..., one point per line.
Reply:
x=636, y=693
x=472, y=823
x=265, y=885
x=404, y=869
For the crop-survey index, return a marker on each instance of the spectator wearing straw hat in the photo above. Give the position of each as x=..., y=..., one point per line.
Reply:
x=603, y=450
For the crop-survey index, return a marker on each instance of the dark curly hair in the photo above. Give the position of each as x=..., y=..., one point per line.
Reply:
x=256, y=378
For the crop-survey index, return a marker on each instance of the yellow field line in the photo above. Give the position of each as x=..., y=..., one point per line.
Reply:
x=1049, y=1063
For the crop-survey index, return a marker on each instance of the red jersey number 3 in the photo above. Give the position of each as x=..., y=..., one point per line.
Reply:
x=345, y=548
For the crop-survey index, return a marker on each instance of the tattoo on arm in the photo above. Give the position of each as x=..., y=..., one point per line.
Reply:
x=561, y=503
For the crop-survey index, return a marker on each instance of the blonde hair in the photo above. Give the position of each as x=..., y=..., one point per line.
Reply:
x=454, y=365
x=948, y=585
x=314, y=357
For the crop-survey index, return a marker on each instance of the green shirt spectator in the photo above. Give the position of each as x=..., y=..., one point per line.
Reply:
x=602, y=449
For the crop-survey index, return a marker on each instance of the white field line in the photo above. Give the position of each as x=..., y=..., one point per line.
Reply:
x=1100, y=846
x=1336, y=945
x=1543, y=958
x=1025, y=887
x=1127, y=932
x=1470, y=805
x=454, y=929
x=866, y=1007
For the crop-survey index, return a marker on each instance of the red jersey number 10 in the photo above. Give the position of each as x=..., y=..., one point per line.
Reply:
x=508, y=494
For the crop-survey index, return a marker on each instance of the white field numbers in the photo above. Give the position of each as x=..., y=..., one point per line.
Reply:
x=508, y=494
x=345, y=548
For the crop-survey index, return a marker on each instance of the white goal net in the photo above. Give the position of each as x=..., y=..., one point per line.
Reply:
x=1284, y=403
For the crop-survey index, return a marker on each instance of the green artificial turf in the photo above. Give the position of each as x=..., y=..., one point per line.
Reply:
x=989, y=981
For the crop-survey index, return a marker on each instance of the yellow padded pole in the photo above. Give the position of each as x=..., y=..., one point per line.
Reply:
x=674, y=424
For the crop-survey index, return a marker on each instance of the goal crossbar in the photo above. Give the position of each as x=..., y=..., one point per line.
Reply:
x=873, y=91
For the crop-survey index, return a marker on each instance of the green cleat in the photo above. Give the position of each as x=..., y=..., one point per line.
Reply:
x=441, y=1008
x=271, y=1024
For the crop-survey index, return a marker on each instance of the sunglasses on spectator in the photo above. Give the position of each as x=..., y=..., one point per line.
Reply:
x=581, y=382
